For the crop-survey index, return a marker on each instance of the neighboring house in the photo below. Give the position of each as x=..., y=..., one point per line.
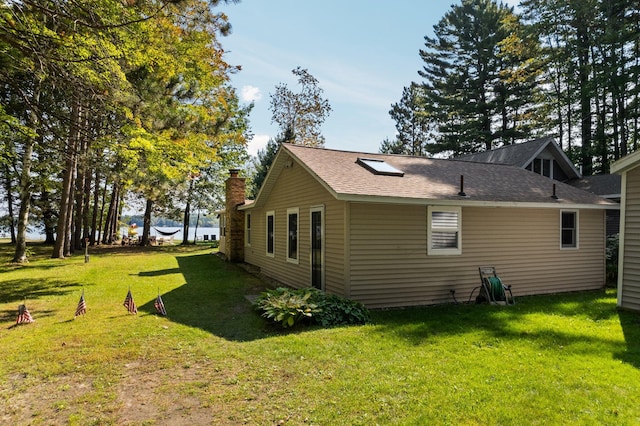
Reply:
x=629, y=248
x=393, y=230
x=544, y=156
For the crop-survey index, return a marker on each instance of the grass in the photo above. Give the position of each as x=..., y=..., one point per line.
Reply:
x=547, y=360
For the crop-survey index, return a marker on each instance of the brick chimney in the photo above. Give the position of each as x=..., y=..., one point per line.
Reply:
x=234, y=197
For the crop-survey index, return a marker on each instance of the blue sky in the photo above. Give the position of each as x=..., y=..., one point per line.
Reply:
x=363, y=54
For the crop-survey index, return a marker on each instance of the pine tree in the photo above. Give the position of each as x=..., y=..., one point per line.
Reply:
x=476, y=82
x=413, y=124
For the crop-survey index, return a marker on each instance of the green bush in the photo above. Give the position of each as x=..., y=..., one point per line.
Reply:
x=335, y=310
x=288, y=307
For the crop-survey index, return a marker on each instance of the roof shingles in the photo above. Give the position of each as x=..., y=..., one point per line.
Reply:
x=428, y=179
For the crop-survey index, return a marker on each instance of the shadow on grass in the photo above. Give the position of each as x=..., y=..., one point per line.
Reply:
x=503, y=324
x=630, y=322
x=19, y=290
x=213, y=298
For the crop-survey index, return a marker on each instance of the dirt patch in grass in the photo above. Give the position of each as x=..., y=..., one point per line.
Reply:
x=146, y=397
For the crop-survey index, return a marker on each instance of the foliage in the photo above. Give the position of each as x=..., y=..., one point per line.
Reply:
x=288, y=307
x=414, y=129
x=263, y=161
x=590, y=50
x=334, y=310
x=479, y=78
x=108, y=96
x=301, y=113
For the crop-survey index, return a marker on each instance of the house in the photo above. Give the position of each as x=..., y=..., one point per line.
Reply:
x=545, y=157
x=394, y=230
x=629, y=245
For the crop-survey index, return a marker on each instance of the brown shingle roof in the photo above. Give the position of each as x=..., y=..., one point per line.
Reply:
x=426, y=180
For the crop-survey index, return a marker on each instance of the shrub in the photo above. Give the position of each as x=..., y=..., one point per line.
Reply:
x=289, y=307
x=335, y=310
x=286, y=306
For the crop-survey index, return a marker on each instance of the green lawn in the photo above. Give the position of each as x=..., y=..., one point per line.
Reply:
x=567, y=359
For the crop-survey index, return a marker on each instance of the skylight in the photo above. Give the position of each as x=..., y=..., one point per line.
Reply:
x=379, y=167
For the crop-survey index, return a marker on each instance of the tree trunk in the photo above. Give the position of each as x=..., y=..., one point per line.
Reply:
x=20, y=255
x=109, y=228
x=146, y=229
x=187, y=214
x=94, y=211
x=101, y=220
x=61, y=246
x=8, y=186
x=585, y=93
x=195, y=233
x=185, y=223
x=49, y=219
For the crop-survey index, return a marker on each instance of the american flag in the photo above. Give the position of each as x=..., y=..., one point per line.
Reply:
x=24, y=317
x=82, y=306
x=160, y=306
x=130, y=304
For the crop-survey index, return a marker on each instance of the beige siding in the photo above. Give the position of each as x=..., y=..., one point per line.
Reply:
x=390, y=266
x=295, y=188
x=630, y=291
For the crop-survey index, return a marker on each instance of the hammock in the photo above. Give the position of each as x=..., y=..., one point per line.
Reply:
x=165, y=233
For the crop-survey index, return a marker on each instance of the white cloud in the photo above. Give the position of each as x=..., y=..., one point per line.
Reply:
x=257, y=143
x=250, y=93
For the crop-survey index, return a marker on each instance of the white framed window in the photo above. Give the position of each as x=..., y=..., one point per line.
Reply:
x=271, y=232
x=247, y=229
x=292, y=234
x=444, y=230
x=568, y=229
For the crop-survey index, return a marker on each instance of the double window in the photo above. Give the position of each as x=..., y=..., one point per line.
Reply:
x=444, y=229
x=568, y=229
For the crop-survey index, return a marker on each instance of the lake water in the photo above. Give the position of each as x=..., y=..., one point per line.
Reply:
x=210, y=232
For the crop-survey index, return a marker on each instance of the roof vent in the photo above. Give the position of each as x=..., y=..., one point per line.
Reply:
x=379, y=167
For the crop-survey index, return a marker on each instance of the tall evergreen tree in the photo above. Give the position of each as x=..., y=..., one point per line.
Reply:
x=591, y=47
x=476, y=82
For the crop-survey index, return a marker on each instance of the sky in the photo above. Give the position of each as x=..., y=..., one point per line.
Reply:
x=363, y=53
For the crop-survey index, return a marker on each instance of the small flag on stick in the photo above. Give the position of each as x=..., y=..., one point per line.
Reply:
x=160, y=306
x=130, y=304
x=24, y=317
x=82, y=306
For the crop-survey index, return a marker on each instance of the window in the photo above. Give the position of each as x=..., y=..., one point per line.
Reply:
x=292, y=235
x=223, y=224
x=247, y=229
x=542, y=166
x=444, y=231
x=569, y=229
x=379, y=167
x=270, y=234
